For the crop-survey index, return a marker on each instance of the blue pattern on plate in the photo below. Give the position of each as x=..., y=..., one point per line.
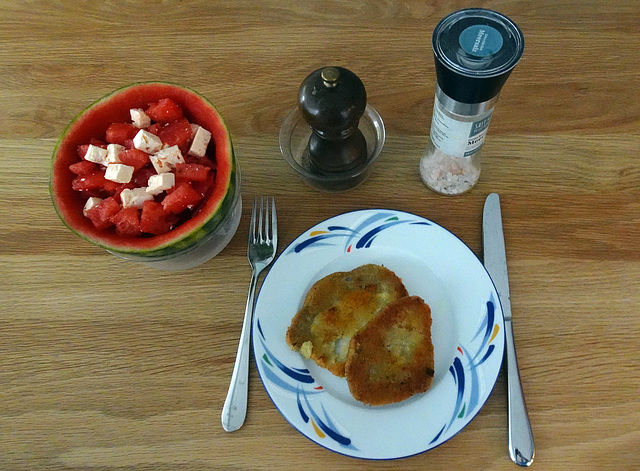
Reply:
x=300, y=382
x=470, y=386
x=363, y=233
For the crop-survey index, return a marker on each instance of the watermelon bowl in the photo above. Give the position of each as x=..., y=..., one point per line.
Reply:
x=168, y=197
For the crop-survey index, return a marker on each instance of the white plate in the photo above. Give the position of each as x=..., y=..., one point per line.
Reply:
x=467, y=333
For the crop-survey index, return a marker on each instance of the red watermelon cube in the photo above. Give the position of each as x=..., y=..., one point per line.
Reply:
x=183, y=197
x=192, y=172
x=177, y=133
x=153, y=219
x=84, y=167
x=134, y=157
x=102, y=213
x=120, y=133
x=164, y=111
x=127, y=222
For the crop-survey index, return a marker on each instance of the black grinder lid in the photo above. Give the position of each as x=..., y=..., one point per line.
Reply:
x=475, y=50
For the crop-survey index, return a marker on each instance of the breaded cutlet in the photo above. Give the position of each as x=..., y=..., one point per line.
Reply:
x=391, y=358
x=336, y=307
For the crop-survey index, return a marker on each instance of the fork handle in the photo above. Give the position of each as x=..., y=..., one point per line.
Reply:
x=234, y=410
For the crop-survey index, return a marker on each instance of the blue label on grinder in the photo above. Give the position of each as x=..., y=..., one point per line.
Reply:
x=481, y=40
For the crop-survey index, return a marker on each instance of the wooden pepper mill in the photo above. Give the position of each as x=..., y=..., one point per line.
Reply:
x=332, y=101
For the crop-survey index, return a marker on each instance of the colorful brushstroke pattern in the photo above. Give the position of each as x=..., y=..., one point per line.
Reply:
x=359, y=237
x=466, y=379
x=300, y=382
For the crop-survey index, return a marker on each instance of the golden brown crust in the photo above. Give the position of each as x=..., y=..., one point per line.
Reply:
x=391, y=359
x=338, y=306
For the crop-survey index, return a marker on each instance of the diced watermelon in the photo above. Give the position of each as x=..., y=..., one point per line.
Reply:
x=102, y=213
x=111, y=186
x=134, y=157
x=127, y=222
x=141, y=177
x=153, y=219
x=83, y=167
x=119, y=133
x=82, y=150
x=183, y=197
x=201, y=161
x=155, y=128
x=91, y=181
x=164, y=111
x=94, y=181
x=192, y=172
x=204, y=188
x=98, y=143
x=177, y=133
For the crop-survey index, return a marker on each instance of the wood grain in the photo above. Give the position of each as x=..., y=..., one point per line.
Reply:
x=136, y=380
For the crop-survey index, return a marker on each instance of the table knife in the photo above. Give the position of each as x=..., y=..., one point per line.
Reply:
x=521, y=447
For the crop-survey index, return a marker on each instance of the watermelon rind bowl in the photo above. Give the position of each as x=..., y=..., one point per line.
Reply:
x=193, y=242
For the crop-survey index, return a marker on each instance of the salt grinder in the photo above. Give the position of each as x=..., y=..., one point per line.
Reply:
x=475, y=51
x=332, y=101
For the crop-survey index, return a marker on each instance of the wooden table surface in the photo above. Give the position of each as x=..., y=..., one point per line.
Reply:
x=90, y=379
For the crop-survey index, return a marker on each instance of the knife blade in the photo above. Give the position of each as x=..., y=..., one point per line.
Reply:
x=521, y=446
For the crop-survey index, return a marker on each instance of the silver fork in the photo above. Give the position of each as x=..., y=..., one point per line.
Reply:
x=263, y=243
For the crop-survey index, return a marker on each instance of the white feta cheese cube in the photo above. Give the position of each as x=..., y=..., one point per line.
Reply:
x=200, y=142
x=119, y=173
x=165, y=160
x=96, y=154
x=91, y=203
x=161, y=182
x=134, y=198
x=113, y=150
x=147, y=142
x=139, y=118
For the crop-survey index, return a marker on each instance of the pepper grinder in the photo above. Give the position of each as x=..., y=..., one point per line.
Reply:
x=332, y=101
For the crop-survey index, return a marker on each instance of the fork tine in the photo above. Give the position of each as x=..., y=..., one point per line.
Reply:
x=264, y=222
x=274, y=222
x=267, y=225
x=261, y=220
x=252, y=227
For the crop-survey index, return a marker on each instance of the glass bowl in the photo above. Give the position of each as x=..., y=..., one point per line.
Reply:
x=206, y=248
x=294, y=137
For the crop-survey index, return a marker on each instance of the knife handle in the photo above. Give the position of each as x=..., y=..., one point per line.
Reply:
x=521, y=447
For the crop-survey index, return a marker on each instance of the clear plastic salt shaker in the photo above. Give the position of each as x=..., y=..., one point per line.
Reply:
x=475, y=50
